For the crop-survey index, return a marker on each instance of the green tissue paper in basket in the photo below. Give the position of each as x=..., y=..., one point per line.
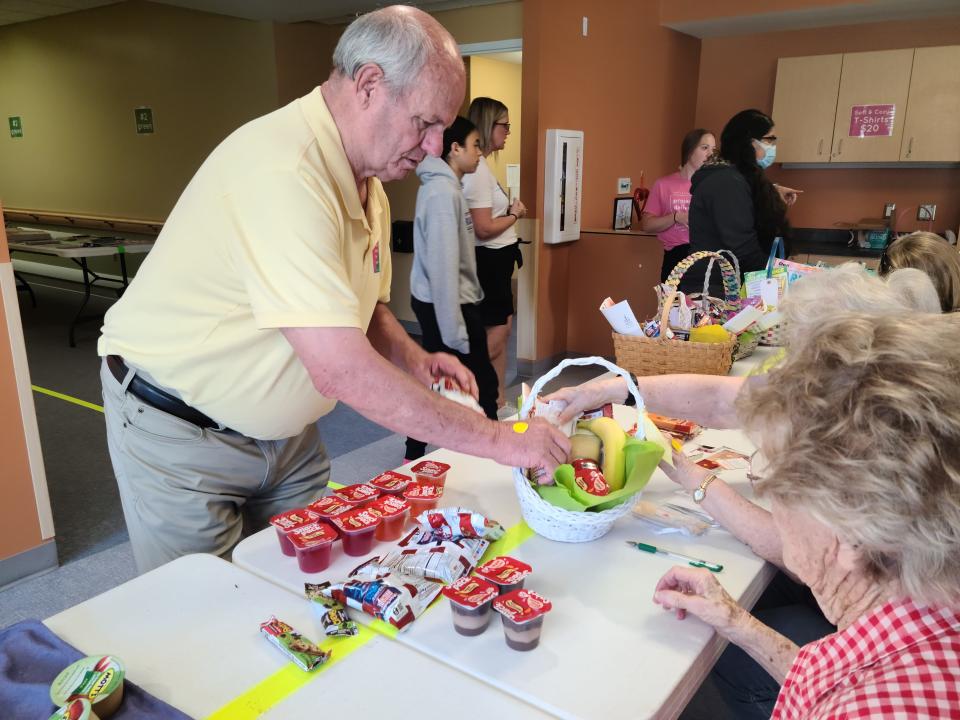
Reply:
x=640, y=459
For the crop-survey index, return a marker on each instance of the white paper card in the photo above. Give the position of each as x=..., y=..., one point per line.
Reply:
x=622, y=319
x=770, y=292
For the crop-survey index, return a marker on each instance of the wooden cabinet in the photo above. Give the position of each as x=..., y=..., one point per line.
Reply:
x=869, y=80
x=932, y=128
x=804, y=107
x=887, y=106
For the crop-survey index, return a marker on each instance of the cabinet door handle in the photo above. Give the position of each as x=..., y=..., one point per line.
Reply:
x=820, y=147
x=910, y=147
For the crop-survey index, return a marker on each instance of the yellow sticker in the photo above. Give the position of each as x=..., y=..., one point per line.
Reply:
x=520, y=427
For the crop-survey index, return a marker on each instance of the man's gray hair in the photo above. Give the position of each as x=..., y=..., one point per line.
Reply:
x=395, y=41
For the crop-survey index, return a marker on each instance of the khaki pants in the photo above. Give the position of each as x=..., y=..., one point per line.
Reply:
x=187, y=489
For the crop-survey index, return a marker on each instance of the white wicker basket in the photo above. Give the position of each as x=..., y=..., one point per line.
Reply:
x=566, y=525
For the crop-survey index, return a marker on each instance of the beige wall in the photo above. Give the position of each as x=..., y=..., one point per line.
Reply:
x=75, y=80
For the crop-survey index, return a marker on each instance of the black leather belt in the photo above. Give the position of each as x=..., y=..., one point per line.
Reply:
x=156, y=397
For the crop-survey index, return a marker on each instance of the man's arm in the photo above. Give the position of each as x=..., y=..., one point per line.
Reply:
x=344, y=366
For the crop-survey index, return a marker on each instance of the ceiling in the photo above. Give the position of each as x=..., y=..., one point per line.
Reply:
x=284, y=11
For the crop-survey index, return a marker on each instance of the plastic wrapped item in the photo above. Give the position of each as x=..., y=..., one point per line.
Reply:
x=457, y=522
x=304, y=653
x=450, y=389
x=671, y=518
x=336, y=622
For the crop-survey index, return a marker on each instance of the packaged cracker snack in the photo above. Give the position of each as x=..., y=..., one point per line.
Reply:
x=305, y=654
x=454, y=522
x=395, y=599
x=336, y=622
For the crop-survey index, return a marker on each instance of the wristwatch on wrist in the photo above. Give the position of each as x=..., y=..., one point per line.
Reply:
x=701, y=492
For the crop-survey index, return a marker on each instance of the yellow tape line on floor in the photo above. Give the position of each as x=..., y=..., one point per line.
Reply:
x=68, y=398
x=283, y=683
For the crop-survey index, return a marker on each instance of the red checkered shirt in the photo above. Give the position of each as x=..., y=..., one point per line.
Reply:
x=900, y=661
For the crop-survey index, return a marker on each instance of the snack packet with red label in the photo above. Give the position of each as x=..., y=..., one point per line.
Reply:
x=453, y=522
x=450, y=389
x=295, y=646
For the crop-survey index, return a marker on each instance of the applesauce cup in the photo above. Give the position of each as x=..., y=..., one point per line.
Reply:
x=430, y=472
x=357, y=495
x=522, y=612
x=357, y=529
x=422, y=497
x=394, y=513
x=391, y=482
x=314, y=546
x=287, y=521
x=471, y=604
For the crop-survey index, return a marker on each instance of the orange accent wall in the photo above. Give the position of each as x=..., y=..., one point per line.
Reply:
x=19, y=522
x=677, y=11
x=740, y=72
x=630, y=85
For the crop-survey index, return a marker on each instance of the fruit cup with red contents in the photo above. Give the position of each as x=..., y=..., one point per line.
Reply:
x=357, y=528
x=471, y=605
x=314, y=545
x=422, y=497
x=505, y=572
x=430, y=472
x=391, y=483
x=522, y=612
x=357, y=495
x=394, y=512
x=289, y=520
x=327, y=508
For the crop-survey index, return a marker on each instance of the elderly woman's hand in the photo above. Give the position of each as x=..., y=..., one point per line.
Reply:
x=686, y=589
x=588, y=396
x=686, y=473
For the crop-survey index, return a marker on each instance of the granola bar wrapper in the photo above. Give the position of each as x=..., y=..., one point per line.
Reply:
x=396, y=599
x=336, y=622
x=301, y=651
x=458, y=522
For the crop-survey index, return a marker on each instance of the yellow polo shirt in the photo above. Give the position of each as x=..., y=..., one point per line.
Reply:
x=269, y=233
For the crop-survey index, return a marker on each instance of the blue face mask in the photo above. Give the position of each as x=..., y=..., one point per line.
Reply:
x=769, y=154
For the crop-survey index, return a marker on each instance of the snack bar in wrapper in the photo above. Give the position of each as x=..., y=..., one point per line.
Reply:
x=396, y=599
x=450, y=389
x=456, y=522
x=336, y=622
x=301, y=651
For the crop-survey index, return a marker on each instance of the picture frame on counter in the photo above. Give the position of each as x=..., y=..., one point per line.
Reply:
x=622, y=212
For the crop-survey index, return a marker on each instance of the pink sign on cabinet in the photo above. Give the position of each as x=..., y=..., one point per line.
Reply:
x=872, y=120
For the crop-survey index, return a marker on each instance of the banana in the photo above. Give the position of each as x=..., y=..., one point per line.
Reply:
x=613, y=438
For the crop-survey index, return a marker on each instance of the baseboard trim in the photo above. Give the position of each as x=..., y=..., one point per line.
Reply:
x=29, y=563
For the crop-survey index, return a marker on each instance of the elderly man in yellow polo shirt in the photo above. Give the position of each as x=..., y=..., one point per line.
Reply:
x=264, y=303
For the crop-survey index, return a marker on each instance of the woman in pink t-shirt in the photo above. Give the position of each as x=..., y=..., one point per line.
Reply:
x=666, y=209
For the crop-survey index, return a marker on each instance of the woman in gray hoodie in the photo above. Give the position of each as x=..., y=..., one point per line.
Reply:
x=445, y=292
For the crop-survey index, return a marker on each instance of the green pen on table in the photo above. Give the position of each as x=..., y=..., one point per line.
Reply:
x=695, y=562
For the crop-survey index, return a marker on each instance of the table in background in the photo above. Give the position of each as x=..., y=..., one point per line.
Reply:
x=188, y=633
x=606, y=650
x=64, y=245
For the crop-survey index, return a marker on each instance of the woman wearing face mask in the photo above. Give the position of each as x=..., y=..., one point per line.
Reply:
x=733, y=205
x=494, y=222
x=666, y=209
x=445, y=292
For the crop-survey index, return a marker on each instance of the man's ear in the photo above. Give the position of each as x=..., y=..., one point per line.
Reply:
x=369, y=79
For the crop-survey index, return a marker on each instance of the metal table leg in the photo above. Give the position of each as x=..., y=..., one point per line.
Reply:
x=22, y=284
x=82, y=262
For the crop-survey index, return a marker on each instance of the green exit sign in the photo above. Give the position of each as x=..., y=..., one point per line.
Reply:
x=16, y=126
x=144, y=118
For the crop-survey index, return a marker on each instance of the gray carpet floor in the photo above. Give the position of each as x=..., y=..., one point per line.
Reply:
x=91, y=535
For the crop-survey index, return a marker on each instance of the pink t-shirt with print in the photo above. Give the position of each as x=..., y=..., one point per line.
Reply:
x=668, y=195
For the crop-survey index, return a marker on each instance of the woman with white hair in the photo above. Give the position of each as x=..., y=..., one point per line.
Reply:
x=860, y=428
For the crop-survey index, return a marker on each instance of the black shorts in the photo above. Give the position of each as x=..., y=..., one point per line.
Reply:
x=495, y=273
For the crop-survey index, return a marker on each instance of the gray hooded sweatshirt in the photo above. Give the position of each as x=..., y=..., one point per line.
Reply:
x=444, y=261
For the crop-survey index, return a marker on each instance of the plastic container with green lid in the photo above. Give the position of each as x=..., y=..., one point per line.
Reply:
x=98, y=678
x=79, y=709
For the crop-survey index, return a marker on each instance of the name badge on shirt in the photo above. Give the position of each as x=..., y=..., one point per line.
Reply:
x=376, y=257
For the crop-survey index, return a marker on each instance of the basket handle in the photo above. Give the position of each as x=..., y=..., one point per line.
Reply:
x=665, y=312
x=631, y=386
x=731, y=281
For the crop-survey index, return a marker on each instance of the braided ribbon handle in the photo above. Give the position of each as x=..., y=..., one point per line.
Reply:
x=731, y=278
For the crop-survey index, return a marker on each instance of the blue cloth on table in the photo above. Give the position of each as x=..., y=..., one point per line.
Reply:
x=31, y=656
